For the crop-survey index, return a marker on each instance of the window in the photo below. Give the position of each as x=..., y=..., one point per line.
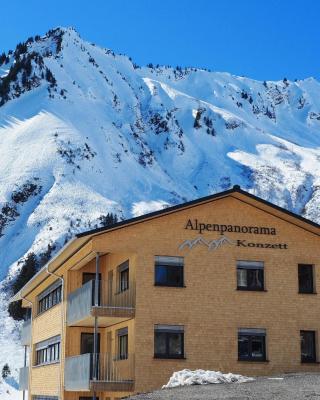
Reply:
x=48, y=351
x=123, y=273
x=45, y=398
x=122, y=344
x=251, y=344
x=87, y=343
x=308, y=346
x=305, y=275
x=250, y=275
x=169, y=271
x=168, y=341
x=91, y=277
x=88, y=398
x=50, y=297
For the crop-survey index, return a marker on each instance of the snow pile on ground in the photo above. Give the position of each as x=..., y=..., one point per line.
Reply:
x=187, y=377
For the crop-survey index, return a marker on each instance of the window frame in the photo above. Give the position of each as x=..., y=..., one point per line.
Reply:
x=313, y=359
x=47, y=352
x=180, y=266
x=249, y=265
x=50, y=297
x=123, y=268
x=122, y=334
x=169, y=330
x=252, y=333
x=312, y=290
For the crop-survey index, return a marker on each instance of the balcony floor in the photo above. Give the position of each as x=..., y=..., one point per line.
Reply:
x=107, y=316
x=104, y=386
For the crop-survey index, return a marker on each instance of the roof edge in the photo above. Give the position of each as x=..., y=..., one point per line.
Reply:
x=157, y=213
x=19, y=295
x=154, y=214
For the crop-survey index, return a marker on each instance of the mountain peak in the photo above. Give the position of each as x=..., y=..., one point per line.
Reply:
x=87, y=124
x=24, y=68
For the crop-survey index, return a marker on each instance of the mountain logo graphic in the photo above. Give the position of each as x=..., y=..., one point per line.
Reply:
x=211, y=244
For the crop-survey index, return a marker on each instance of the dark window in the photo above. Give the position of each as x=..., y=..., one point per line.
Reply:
x=124, y=280
x=48, y=351
x=91, y=277
x=308, y=346
x=252, y=344
x=87, y=343
x=305, y=274
x=123, y=273
x=87, y=347
x=122, y=343
x=50, y=297
x=169, y=271
x=250, y=275
x=44, y=398
x=168, y=341
x=87, y=398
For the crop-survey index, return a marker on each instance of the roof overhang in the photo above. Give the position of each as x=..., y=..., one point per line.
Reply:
x=52, y=266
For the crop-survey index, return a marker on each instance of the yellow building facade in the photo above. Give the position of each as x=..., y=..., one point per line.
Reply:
x=228, y=282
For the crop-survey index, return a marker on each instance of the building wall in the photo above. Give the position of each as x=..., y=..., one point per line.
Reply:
x=210, y=307
x=45, y=380
x=47, y=324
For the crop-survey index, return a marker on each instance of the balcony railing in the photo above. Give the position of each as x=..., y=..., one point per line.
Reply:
x=103, y=373
x=26, y=333
x=24, y=378
x=81, y=303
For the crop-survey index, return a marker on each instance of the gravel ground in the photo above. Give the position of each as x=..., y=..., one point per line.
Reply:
x=283, y=387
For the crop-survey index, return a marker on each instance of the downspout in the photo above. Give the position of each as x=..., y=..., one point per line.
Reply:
x=96, y=328
x=62, y=329
x=30, y=351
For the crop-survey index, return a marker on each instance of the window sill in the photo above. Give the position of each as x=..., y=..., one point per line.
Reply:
x=307, y=293
x=310, y=362
x=169, y=358
x=251, y=290
x=254, y=361
x=46, y=364
x=170, y=286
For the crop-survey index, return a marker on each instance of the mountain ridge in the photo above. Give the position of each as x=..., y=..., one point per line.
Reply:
x=94, y=111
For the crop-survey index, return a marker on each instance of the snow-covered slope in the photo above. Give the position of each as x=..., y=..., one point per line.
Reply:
x=85, y=132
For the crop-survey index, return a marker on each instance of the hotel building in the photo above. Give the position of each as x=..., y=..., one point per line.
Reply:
x=227, y=282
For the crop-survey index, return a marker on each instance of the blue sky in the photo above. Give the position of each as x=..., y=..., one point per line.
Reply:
x=261, y=39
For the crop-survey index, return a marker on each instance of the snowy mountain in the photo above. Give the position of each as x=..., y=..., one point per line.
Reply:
x=85, y=132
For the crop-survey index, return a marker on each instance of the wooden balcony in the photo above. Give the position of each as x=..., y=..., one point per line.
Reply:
x=26, y=333
x=24, y=378
x=111, y=308
x=112, y=374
